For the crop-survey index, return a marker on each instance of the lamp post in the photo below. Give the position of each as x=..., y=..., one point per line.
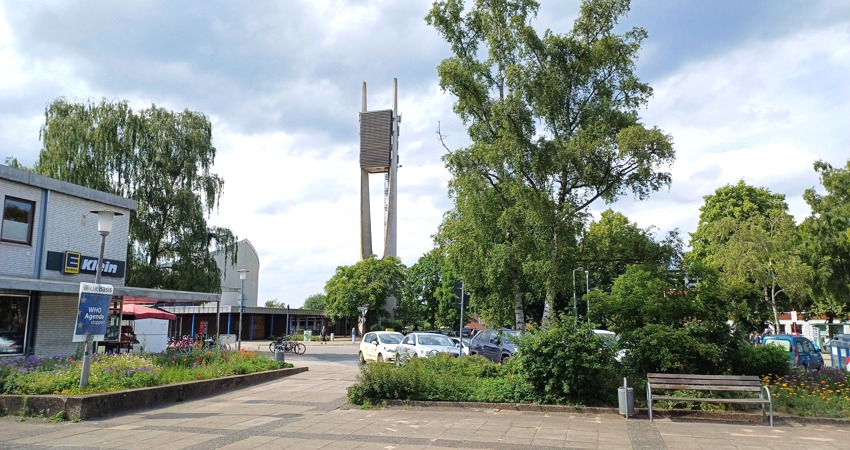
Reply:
x=575, y=303
x=243, y=273
x=104, y=227
x=287, y=320
x=587, y=291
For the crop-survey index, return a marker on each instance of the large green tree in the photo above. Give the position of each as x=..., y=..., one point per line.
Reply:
x=554, y=126
x=826, y=238
x=159, y=158
x=315, y=301
x=747, y=245
x=368, y=283
x=612, y=243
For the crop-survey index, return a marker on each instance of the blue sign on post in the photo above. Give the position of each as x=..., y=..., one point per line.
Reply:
x=92, y=311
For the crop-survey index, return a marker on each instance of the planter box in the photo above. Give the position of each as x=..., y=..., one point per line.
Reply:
x=80, y=407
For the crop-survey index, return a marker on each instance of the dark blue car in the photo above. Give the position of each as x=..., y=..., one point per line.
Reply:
x=495, y=345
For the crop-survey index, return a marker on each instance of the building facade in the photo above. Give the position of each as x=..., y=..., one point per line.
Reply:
x=49, y=244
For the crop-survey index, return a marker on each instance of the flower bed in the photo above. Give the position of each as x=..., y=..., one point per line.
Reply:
x=50, y=386
x=812, y=394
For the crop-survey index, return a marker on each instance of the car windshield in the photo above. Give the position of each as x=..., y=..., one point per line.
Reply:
x=435, y=339
x=779, y=343
x=390, y=338
x=508, y=336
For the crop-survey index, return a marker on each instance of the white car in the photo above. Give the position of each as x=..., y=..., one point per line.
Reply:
x=423, y=345
x=379, y=346
x=461, y=344
x=610, y=339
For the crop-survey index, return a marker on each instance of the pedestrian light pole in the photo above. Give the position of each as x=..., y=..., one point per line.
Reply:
x=243, y=273
x=586, y=292
x=104, y=227
x=575, y=302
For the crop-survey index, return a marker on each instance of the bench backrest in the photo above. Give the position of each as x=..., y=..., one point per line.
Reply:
x=736, y=383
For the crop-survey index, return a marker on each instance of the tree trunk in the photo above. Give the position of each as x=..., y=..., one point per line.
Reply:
x=771, y=301
x=518, y=311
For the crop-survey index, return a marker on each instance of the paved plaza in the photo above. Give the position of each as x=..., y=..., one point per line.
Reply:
x=309, y=411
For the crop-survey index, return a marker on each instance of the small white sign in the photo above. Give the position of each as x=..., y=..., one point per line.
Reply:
x=793, y=316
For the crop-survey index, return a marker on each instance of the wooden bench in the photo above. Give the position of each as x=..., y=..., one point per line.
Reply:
x=727, y=383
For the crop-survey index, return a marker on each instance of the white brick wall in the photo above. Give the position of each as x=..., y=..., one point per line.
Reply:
x=57, y=315
x=18, y=259
x=72, y=226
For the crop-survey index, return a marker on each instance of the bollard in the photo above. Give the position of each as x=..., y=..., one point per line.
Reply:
x=626, y=399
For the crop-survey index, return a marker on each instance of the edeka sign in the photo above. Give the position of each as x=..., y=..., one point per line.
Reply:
x=92, y=311
x=73, y=263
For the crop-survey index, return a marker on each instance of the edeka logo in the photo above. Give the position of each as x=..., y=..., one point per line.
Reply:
x=74, y=263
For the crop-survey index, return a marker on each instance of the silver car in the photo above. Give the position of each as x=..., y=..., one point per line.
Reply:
x=423, y=345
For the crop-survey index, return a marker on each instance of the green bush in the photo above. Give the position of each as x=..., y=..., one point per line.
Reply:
x=689, y=348
x=761, y=361
x=565, y=363
x=439, y=378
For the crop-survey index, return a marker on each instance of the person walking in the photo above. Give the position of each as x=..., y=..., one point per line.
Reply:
x=353, y=335
x=322, y=333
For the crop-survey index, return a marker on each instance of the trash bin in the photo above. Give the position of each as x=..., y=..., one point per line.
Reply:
x=626, y=399
x=332, y=337
x=279, y=354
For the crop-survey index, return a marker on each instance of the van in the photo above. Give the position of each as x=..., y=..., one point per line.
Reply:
x=801, y=351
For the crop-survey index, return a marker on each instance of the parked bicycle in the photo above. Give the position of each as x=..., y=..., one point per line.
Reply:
x=287, y=345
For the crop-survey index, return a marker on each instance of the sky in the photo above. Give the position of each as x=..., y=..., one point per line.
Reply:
x=754, y=91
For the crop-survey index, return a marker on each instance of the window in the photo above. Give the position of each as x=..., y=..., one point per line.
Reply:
x=18, y=217
x=13, y=320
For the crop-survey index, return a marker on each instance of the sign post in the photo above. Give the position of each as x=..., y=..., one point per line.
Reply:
x=92, y=318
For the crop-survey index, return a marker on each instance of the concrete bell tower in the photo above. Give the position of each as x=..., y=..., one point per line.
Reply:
x=379, y=154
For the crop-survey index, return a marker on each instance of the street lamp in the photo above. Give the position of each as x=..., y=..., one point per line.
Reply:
x=287, y=320
x=243, y=273
x=587, y=291
x=104, y=227
x=575, y=303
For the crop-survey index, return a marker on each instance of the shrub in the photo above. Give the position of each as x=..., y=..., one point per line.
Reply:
x=565, y=363
x=761, y=361
x=439, y=378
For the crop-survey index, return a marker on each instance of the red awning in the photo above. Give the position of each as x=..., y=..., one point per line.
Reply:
x=139, y=312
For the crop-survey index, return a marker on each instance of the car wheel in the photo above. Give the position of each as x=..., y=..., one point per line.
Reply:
x=505, y=358
x=361, y=358
x=380, y=357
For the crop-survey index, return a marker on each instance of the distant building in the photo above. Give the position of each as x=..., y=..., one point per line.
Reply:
x=246, y=258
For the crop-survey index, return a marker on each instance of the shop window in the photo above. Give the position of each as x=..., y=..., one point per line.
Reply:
x=18, y=218
x=13, y=323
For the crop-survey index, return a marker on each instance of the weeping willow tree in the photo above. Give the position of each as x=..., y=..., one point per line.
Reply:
x=159, y=158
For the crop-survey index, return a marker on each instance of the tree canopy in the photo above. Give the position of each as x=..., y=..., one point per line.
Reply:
x=554, y=126
x=159, y=158
x=826, y=240
x=315, y=301
x=368, y=283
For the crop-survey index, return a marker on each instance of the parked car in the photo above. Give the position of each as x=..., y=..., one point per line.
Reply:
x=801, y=351
x=379, y=346
x=611, y=340
x=423, y=345
x=461, y=344
x=495, y=345
x=8, y=345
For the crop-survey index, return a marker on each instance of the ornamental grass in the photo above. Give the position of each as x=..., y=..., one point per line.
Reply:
x=34, y=375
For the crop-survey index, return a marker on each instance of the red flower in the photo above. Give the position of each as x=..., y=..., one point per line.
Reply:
x=822, y=382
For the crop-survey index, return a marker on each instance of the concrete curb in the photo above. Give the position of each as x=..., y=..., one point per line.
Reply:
x=640, y=413
x=80, y=407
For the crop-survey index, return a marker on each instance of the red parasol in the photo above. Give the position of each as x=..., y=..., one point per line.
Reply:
x=139, y=312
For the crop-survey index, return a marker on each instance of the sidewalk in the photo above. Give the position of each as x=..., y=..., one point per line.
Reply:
x=310, y=411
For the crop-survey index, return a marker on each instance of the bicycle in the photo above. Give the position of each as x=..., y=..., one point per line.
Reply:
x=286, y=344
